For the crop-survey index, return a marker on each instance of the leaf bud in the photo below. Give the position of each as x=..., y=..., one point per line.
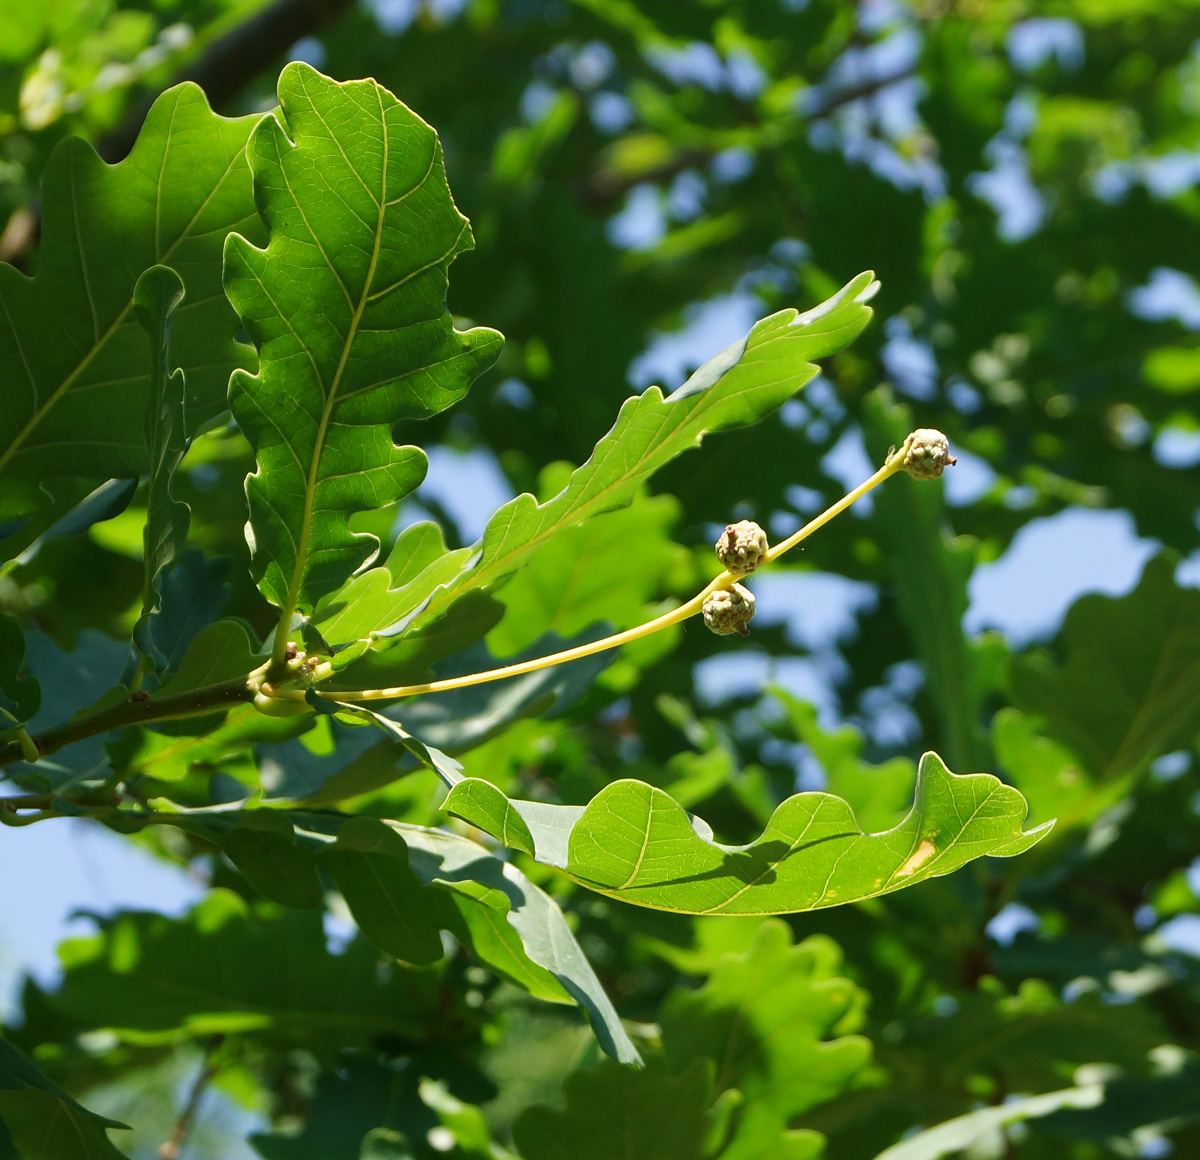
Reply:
x=742, y=547
x=729, y=610
x=927, y=454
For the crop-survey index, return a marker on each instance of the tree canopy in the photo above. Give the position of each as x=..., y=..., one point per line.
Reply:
x=350, y=349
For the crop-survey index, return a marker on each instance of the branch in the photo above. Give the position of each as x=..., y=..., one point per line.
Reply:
x=604, y=187
x=232, y=61
x=866, y=88
x=135, y=711
x=173, y=1145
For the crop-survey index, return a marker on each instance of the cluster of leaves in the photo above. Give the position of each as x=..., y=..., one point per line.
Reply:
x=730, y=130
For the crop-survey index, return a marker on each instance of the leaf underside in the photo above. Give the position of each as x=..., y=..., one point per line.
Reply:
x=347, y=308
x=635, y=843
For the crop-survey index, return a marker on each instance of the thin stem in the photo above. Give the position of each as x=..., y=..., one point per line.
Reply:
x=140, y=709
x=723, y=581
x=895, y=463
x=559, y=658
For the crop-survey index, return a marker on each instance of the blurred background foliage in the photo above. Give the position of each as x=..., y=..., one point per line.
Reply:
x=645, y=178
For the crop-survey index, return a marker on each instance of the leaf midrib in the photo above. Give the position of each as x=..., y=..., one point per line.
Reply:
x=365, y=297
x=310, y=482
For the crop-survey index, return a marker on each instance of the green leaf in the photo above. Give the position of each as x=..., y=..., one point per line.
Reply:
x=72, y=683
x=606, y=569
x=222, y=968
x=156, y=297
x=633, y=842
x=456, y=721
x=217, y=652
x=762, y=1018
x=101, y=503
x=482, y=888
x=20, y=696
x=43, y=1121
x=377, y=600
x=546, y=938
x=484, y=806
x=445, y=767
x=983, y=1127
x=1129, y=687
x=369, y=864
x=168, y=757
x=76, y=361
x=613, y=1113
x=410, y=660
x=353, y=1107
x=347, y=307
x=191, y=595
x=1048, y=775
x=743, y=383
x=263, y=847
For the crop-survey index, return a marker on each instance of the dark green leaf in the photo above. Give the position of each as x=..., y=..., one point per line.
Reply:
x=221, y=968
x=20, y=695
x=369, y=864
x=263, y=847
x=1129, y=687
x=193, y=592
x=613, y=1113
x=545, y=936
x=43, y=1121
x=108, y=500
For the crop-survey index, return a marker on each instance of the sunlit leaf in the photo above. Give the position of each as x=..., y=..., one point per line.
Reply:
x=743, y=383
x=763, y=1018
x=633, y=842
x=347, y=307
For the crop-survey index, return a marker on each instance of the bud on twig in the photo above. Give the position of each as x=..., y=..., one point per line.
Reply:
x=927, y=454
x=729, y=610
x=741, y=547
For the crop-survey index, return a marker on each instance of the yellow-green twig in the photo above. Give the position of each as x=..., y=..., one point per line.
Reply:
x=690, y=608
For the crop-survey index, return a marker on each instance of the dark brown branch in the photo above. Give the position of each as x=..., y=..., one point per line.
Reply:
x=866, y=88
x=173, y=1145
x=603, y=187
x=135, y=711
x=232, y=61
